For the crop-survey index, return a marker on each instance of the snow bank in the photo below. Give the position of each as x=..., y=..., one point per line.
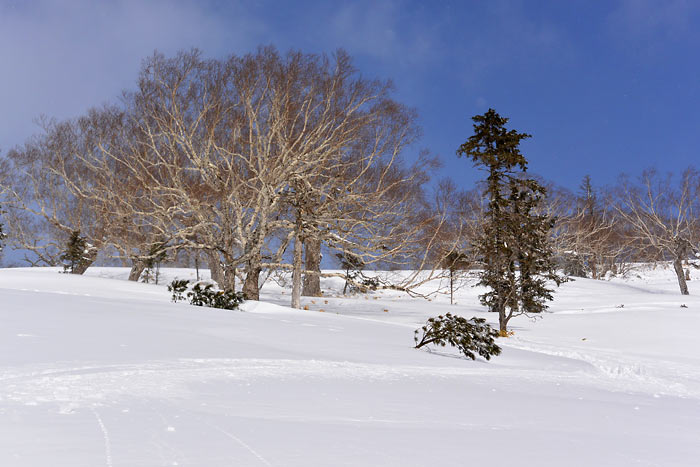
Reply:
x=100, y=371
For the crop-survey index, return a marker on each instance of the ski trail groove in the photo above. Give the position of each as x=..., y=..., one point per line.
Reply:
x=105, y=434
x=243, y=444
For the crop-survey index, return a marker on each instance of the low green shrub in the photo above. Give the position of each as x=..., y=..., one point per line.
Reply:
x=206, y=295
x=469, y=336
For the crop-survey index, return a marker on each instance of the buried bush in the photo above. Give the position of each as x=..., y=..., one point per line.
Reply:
x=178, y=288
x=369, y=283
x=352, y=264
x=206, y=295
x=469, y=336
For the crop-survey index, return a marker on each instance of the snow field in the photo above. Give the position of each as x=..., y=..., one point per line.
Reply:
x=98, y=371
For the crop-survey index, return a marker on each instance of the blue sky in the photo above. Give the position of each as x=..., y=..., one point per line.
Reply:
x=603, y=87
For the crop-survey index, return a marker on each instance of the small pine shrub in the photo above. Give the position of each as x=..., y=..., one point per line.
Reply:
x=206, y=295
x=352, y=264
x=3, y=235
x=147, y=276
x=75, y=252
x=469, y=336
x=369, y=283
x=156, y=255
x=178, y=288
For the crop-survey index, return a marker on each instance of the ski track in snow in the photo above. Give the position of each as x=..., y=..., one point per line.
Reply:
x=96, y=385
x=100, y=383
x=655, y=376
x=235, y=438
x=157, y=403
x=105, y=433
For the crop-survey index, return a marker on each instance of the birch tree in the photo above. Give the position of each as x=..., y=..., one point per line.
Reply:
x=271, y=145
x=662, y=214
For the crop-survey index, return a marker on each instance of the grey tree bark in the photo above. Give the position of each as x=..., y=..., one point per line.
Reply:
x=312, y=278
x=86, y=262
x=296, y=272
x=251, y=284
x=678, y=267
x=229, y=280
x=217, y=273
x=137, y=267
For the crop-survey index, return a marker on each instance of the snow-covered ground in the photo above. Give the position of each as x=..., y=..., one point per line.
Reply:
x=96, y=371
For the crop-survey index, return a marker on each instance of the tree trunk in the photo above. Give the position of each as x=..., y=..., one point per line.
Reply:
x=500, y=308
x=215, y=270
x=85, y=262
x=251, y=286
x=678, y=266
x=229, y=280
x=137, y=267
x=502, y=322
x=296, y=273
x=312, y=282
x=251, y=283
x=196, y=264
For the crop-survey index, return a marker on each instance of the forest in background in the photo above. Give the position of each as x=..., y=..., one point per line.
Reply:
x=253, y=165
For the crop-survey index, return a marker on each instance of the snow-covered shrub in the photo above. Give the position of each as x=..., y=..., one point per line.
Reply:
x=469, y=336
x=178, y=288
x=156, y=255
x=369, y=283
x=353, y=265
x=573, y=265
x=206, y=295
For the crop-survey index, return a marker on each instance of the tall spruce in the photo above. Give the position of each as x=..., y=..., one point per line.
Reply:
x=3, y=235
x=587, y=208
x=513, y=245
x=73, y=256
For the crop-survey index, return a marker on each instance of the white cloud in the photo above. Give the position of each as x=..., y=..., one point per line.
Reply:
x=60, y=57
x=650, y=23
x=386, y=30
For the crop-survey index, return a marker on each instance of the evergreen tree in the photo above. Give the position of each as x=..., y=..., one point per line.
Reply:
x=518, y=259
x=352, y=264
x=156, y=255
x=587, y=199
x=3, y=235
x=454, y=262
x=468, y=335
x=587, y=206
x=74, y=254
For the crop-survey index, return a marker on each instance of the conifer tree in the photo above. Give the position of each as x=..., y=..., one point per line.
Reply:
x=352, y=264
x=455, y=261
x=518, y=259
x=587, y=205
x=156, y=255
x=74, y=254
x=3, y=236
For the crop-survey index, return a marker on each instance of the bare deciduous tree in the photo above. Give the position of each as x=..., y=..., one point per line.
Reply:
x=587, y=235
x=41, y=199
x=266, y=147
x=661, y=213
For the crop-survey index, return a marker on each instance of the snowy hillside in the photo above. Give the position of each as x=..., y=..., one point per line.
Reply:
x=98, y=371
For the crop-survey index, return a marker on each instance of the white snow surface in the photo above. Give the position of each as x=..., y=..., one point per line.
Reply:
x=99, y=371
